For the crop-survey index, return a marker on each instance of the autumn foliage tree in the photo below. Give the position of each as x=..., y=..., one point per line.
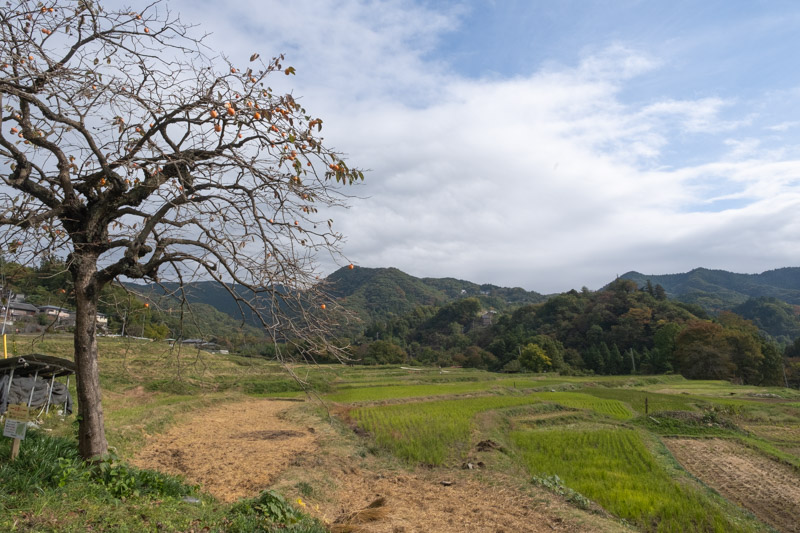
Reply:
x=131, y=153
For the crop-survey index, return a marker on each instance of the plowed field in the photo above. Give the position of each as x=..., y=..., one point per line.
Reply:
x=767, y=488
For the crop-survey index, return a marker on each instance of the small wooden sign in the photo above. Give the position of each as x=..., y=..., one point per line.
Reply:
x=19, y=412
x=15, y=429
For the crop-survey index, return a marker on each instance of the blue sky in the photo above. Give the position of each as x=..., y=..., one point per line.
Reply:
x=547, y=144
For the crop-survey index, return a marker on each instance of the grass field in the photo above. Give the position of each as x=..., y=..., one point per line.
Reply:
x=387, y=392
x=590, y=432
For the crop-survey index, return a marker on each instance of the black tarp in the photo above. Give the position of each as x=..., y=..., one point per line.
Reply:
x=36, y=363
x=20, y=393
x=34, y=372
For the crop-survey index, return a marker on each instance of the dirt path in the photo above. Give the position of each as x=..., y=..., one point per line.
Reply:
x=769, y=489
x=237, y=450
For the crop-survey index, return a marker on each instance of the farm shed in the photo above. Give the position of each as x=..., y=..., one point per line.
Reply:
x=30, y=380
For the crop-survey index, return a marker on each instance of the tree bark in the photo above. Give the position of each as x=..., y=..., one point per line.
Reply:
x=92, y=442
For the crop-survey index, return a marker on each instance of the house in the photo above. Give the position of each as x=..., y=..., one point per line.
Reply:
x=21, y=309
x=203, y=345
x=101, y=319
x=487, y=318
x=55, y=311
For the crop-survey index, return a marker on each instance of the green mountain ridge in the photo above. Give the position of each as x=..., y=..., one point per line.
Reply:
x=771, y=299
x=379, y=293
x=716, y=290
x=369, y=294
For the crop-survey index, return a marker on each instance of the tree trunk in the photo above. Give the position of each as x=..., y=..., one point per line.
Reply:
x=92, y=442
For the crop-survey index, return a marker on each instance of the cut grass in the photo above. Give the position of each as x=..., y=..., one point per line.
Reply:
x=718, y=388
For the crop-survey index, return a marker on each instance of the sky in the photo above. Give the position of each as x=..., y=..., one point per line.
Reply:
x=546, y=145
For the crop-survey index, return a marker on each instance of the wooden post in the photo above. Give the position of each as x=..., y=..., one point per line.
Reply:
x=14, y=429
x=15, y=448
x=646, y=407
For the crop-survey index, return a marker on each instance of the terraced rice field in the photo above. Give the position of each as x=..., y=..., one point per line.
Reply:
x=586, y=438
x=614, y=468
x=431, y=432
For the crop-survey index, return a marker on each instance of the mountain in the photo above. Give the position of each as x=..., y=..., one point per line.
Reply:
x=770, y=299
x=377, y=293
x=716, y=290
x=369, y=293
x=772, y=315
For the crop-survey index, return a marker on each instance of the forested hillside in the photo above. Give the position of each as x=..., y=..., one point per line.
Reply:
x=375, y=294
x=365, y=294
x=719, y=289
x=387, y=316
x=618, y=330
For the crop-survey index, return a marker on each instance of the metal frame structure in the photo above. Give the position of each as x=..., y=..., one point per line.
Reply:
x=37, y=365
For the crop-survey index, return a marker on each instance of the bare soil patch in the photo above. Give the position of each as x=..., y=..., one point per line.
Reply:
x=371, y=494
x=234, y=451
x=767, y=488
x=419, y=502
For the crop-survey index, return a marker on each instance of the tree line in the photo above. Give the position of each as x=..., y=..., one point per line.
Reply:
x=621, y=329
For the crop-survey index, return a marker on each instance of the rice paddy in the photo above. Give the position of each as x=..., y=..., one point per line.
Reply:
x=589, y=438
x=380, y=392
x=642, y=401
x=431, y=432
x=614, y=468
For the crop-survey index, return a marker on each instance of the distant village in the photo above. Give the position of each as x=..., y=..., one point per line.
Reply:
x=22, y=317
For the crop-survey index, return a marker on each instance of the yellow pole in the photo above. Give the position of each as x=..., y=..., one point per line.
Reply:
x=5, y=347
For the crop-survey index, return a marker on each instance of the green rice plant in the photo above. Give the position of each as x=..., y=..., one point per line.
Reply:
x=614, y=468
x=374, y=393
x=655, y=402
x=431, y=432
x=580, y=400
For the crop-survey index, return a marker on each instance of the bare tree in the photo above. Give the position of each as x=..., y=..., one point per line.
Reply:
x=129, y=154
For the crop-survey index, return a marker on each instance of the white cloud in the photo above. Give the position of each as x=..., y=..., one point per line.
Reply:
x=783, y=126
x=548, y=181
